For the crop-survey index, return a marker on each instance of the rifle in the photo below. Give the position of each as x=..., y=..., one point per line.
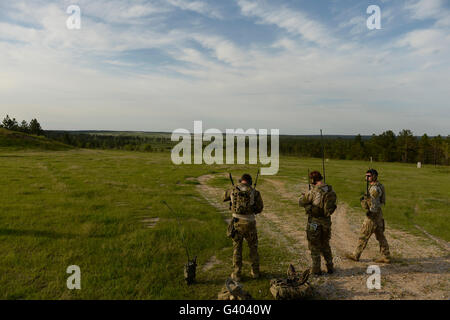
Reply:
x=231, y=230
x=231, y=178
x=366, y=196
x=367, y=187
x=323, y=157
x=256, y=181
x=309, y=181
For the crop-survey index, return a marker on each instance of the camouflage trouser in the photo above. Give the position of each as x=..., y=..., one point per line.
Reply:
x=245, y=230
x=372, y=224
x=319, y=236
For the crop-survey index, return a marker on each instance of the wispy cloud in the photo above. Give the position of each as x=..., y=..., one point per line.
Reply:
x=294, y=21
x=426, y=9
x=197, y=6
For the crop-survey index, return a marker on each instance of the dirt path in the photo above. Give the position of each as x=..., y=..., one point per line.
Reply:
x=421, y=267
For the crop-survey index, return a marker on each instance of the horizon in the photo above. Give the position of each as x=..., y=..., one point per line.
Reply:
x=223, y=132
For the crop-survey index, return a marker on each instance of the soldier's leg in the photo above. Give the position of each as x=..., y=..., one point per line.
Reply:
x=315, y=258
x=237, y=256
x=379, y=233
x=326, y=249
x=252, y=240
x=313, y=235
x=366, y=231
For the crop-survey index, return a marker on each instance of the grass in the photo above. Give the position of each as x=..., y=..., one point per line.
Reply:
x=86, y=208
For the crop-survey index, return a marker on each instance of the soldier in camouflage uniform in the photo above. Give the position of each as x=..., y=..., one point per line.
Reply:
x=246, y=202
x=319, y=203
x=374, y=222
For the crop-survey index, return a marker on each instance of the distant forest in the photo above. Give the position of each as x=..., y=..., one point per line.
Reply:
x=388, y=147
x=404, y=147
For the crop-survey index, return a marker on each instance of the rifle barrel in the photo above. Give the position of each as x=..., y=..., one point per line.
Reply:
x=231, y=178
x=256, y=181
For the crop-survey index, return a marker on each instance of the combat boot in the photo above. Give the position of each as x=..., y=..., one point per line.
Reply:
x=383, y=260
x=330, y=268
x=317, y=272
x=352, y=256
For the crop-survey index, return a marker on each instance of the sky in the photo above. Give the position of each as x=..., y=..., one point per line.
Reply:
x=293, y=65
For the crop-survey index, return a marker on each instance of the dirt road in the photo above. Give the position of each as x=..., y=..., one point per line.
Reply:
x=420, y=268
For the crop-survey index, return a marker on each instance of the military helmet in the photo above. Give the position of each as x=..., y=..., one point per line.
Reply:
x=247, y=178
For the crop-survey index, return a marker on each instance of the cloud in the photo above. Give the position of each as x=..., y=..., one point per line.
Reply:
x=197, y=6
x=427, y=42
x=425, y=9
x=98, y=77
x=293, y=21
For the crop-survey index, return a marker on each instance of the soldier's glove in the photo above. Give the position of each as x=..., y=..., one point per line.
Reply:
x=365, y=203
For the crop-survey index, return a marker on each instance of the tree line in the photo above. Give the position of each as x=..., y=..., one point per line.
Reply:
x=112, y=141
x=386, y=147
x=33, y=127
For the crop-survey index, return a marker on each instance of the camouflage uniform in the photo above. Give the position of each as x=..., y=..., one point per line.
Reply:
x=245, y=226
x=373, y=223
x=318, y=229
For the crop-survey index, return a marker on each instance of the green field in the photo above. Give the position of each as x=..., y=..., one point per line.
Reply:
x=86, y=208
x=64, y=206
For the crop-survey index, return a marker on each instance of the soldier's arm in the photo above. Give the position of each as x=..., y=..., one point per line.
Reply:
x=305, y=199
x=226, y=196
x=259, y=205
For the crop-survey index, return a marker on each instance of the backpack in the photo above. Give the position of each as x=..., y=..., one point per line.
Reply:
x=329, y=199
x=242, y=199
x=293, y=288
